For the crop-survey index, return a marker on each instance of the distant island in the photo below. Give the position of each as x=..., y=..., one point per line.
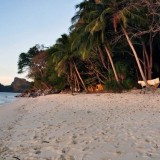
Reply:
x=18, y=85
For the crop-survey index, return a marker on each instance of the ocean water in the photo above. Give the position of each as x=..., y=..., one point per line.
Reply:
x=7, y=97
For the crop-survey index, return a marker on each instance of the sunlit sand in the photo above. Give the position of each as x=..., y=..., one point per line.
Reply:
x=82, y=127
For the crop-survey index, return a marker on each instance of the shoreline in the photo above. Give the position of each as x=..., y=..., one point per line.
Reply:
x=81, y=127
x=7, y=98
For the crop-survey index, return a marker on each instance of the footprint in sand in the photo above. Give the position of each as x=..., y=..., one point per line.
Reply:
x=74, y=141
x=67, y=157
x=38, y=152
x=85, y=149
x=119, y=152
x=149, y=154
x=65, y=150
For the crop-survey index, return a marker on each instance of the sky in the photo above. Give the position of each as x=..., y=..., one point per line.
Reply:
x=25, y=23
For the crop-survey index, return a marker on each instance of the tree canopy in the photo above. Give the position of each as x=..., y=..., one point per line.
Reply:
x=111, y=42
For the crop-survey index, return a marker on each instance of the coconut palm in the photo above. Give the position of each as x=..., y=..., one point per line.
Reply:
x=115, y=14
x=127, y=12
x=65, y=57
x=92, y=28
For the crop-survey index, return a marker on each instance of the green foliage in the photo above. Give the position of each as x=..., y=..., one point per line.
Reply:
x=113, y=86
x=57, y=82
x=25, y=59
x=128, y=84
x=81, y=55
x=126, y=76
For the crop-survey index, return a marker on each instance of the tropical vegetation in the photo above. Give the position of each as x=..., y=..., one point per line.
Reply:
x=111, y=42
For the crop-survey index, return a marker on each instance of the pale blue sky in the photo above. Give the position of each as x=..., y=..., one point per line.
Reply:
x=24, y=23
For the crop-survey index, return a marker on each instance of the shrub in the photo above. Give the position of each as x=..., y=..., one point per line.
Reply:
x=113, y=86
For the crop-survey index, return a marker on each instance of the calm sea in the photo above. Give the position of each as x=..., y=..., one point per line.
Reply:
x=7, y=97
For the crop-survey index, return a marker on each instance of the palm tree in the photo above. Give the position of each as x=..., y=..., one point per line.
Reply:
x=120, y=16
x=92, y=29
x=64, y=57
x=107, y=16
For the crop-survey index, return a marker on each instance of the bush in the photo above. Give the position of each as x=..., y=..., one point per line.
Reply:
x=128, y=84
x=113, y=86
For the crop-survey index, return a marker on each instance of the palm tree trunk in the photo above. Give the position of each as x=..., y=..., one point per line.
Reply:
x=144, y=64
x=102, y=58
x=78, y=85
x=112, y=64
x=151, y=58
x=75, y=83
x=135, y=55
x=71, y=78
x=148, y=62
x=80, y=77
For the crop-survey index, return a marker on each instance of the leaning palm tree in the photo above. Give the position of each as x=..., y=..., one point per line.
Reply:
x=64, y=58
x=108, y=16
x=92, y=28
x=126, y=12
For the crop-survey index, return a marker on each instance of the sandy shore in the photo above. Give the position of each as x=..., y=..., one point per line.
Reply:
x=82, y=127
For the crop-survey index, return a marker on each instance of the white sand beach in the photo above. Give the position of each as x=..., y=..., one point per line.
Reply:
x=82, y=127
